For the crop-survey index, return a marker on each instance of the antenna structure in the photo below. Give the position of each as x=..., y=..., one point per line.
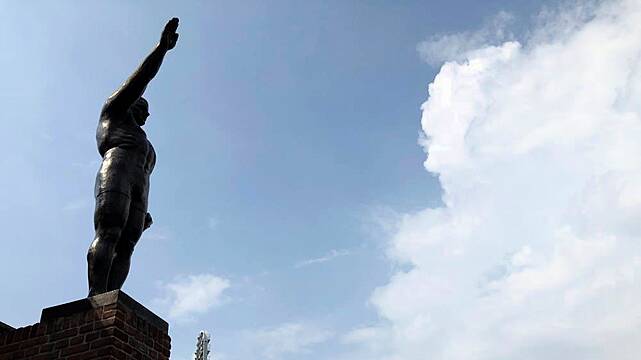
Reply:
x=202, y=346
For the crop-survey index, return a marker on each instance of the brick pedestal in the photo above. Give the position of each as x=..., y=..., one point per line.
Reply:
x=106, y=326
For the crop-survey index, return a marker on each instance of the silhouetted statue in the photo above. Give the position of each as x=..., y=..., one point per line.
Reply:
x=122, y=183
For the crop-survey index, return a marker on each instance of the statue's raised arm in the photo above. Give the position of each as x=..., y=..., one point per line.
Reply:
x=136, y=84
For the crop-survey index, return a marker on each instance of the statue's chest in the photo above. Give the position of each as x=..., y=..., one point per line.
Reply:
x=150, y=161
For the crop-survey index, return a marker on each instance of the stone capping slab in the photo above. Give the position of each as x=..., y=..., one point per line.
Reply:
x=111, y=297
x=5, y=328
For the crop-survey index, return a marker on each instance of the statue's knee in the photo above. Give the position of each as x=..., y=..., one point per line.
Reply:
x=108, y=235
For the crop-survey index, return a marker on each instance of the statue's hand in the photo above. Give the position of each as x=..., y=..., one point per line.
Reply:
x=169, y=36
x=148, y=221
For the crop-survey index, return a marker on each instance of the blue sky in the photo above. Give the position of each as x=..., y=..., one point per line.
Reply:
x=287, y=136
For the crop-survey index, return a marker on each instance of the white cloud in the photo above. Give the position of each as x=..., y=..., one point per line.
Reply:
x=536, y=253
x=191, y=295
x=287, y=339
x=445, y=47
x=157, y=233
x=333, y=254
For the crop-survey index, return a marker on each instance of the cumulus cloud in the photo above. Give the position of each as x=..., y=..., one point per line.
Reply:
x=287, y=339
x=536, y=252
x=191, y=295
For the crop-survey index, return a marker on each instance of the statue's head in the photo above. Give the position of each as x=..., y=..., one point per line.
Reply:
x=139, y=111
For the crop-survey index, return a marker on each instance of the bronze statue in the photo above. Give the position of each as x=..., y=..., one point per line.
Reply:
x=122, y=183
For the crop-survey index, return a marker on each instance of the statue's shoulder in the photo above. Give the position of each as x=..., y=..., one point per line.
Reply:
x=105, y=112
x=112, y=109
x=111, y=113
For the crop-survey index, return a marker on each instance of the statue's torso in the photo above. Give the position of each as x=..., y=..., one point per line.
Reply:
x=128, y=158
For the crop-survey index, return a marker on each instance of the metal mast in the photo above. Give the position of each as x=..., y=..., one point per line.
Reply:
x=202, y=346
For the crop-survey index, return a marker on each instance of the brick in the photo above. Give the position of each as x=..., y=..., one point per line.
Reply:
x=17, y=355
x=21, y=333
x=109, y=314
x=77, y=340
x=58, y=325
x=74, y=349
x=89, y=355
x=140, y=337
x=130, y=329
x=158, y=345
x=101, y=342
x=154, y=354
x=165, y=352
x=61, y=344
x=10, y=337
x=122, y=307
x=163, y=343
x=107, y=350
x=131, y=320
x=92, y=336
x=31, y=351
x=46, y=348
x=85, y=328
x=91, y=316
x=48, y=356
x=141, y=325
x=107, y=332
x=42, y=329
x=63, y=334
x=34, y=342
x=35, y=329
x=137, y=345
x=100, y=324
x=119, y=323
x=49, y=328
x=9, y=348
x=124, y=347
x=75, y=322
x=120, y=355
x=121, y=335
x=121, y=315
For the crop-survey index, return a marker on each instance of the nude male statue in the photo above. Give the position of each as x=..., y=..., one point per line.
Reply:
x=122, y=183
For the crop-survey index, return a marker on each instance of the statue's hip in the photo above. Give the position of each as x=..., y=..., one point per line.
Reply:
x=123, y=170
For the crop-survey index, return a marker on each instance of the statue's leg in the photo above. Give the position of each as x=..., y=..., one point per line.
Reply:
x=125, y=247
x=110, y=217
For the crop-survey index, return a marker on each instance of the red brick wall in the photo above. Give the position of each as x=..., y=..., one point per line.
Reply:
x=106, y=332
